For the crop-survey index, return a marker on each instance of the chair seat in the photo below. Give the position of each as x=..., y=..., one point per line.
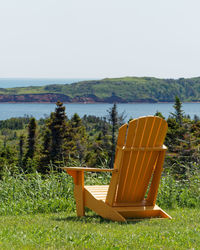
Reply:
x=98, y=191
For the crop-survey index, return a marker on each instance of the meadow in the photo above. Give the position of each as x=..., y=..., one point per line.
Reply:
x=64, y=230
x=38, y=212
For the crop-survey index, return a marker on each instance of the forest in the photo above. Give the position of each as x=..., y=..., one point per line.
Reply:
x=109, y=90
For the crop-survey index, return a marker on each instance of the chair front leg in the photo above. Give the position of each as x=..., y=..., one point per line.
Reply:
x=78, y=177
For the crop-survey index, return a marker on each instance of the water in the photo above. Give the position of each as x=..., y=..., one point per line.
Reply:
x=39, y=110
x=25, y=82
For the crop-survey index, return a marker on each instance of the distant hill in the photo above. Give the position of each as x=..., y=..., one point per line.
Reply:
x=121, y=90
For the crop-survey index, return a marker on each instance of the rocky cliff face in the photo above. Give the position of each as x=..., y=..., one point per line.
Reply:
x=41, y=98
x=53, y=98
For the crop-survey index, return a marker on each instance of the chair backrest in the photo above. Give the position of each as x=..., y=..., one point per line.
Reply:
x=138, y=147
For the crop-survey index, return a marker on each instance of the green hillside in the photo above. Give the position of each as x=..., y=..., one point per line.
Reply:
x=127, y=89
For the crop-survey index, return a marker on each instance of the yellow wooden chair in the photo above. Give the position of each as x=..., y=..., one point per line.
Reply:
x=135, y=178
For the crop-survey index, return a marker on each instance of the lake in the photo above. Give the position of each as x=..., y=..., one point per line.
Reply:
x=132, y=110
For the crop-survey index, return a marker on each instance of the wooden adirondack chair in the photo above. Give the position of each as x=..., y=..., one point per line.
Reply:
x=135, y=178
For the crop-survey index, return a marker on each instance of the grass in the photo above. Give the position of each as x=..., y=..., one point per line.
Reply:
x=66, y=231
x=32, y=193
x=39, y=213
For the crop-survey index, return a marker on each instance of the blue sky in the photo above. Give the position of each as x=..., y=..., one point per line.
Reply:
x=99, y=38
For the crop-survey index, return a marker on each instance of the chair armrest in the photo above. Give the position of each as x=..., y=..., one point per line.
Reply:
x=89, y=169
x=78, y=173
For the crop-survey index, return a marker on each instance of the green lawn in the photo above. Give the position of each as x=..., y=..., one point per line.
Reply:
x=66, y=231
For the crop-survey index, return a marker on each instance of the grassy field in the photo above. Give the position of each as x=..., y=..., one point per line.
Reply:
x=66, y=231
x=39, y=213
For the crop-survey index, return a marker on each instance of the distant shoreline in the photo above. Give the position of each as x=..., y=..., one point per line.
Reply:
x=94, y=102
x=107, y=90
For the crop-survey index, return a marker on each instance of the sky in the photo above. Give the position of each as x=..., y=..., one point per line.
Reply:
x=99, y=38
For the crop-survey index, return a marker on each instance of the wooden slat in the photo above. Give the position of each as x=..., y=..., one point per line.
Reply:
x=132, y=130
x=117, y=165
x=112, y=189
x=97, y=187
x=122, y=135
x=162, y=134
x=120, y=142
x=154, y=133
x=88, y=169
x=149, y=123
x=142, y=212
x=99, y=192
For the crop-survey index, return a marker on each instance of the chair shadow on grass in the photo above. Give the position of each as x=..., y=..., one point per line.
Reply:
x=97, y=219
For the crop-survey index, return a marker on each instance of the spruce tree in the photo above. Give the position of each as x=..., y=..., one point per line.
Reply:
x=46, y=148
x=21, y=153
x=54, y=136
x=31, y=140
x=113, y=118
x=159, y=114
x=58, y=128
x=76, y=138
x=116, y=120
x=178, y=114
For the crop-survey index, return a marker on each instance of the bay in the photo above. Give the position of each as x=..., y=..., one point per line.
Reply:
x=132, y=110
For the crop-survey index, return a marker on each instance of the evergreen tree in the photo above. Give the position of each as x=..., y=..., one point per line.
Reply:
x=113, y=118
x=58, y=128
x=54, y=136
x=46, y=148
x=31, y=140
x=96, y=155
x=105, y=135
x=7, y=158
x=21, y=153
x=76, y=138
x=159, y=114
x=104, y=127
x=196, y=118
x=178, y=114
